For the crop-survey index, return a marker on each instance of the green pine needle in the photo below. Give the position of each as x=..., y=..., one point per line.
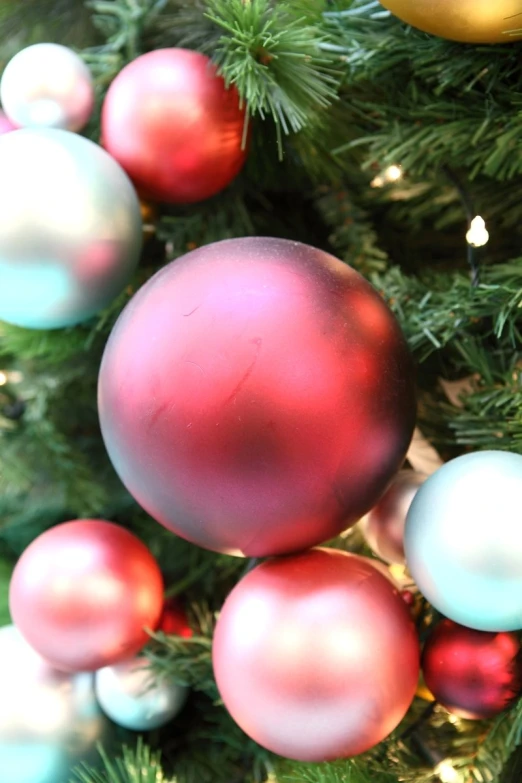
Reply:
x=271, y=53
x=136, y=765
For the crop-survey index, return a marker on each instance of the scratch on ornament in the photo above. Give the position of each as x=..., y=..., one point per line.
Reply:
x=192, y=311
x=187, y=361
x=237, y=388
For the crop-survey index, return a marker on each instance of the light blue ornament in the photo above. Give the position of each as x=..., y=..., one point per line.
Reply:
x=50, y=721
x=463, y=540
x=128, y=694
x=71, y=230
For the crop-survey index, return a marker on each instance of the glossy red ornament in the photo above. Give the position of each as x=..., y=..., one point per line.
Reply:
x=256, y=396
x=83, y=592
x=316, y=656
x=174, y=621
x=473, y=674
x=173, y=125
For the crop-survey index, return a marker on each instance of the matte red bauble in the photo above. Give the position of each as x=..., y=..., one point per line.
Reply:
x=83, y=593
x=173, y=125
x=256, y=396
x=316, y=656
x=474, y=674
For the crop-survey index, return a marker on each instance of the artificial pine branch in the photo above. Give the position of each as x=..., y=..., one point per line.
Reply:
x=135, y=765
x=271, y=53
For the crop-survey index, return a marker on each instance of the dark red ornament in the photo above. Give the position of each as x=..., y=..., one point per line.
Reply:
x=173, y=125
x=174, y=621
x=316, y=656
x=83, y=593
x=256, y=396
x=473, y=674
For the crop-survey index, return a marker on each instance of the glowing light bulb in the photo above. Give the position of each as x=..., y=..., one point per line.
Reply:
x=447, y=773
x=3, y=378
x=477, y=236
x=391, y=174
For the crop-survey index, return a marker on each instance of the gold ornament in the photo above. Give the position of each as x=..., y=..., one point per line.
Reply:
x=423, y=692
x=149, y=216
x=470, y=21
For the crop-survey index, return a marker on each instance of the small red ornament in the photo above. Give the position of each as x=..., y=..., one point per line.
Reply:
x=83, y=592
x=6, y=126
x=473, y=674
x=174, y=620
x=256, y=396
x=316, y=656
x=173, y=125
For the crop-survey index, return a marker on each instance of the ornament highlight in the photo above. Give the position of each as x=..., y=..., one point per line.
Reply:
x=49, y=721
x=173, y=125
x=83, y=593
x=469, y=21
x=473, y=674
x=132, y=699
x=383, y=526
x=316, y=656
x=463, y=541
x=70, y=236
x=47, y=85
x=272, y=405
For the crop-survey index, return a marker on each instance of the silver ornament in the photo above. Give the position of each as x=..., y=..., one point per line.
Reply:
x=47, y=86
x=49, y=721
x=463, y=540
x=71, y=231
x=132, y=699
x=383, y=526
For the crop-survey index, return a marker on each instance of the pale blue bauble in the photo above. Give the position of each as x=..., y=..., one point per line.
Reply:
x=463, y=540
x=50, y=721
x=129, y=695
x=71, y=229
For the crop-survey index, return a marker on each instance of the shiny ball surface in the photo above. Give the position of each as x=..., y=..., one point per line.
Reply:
x=83, y=593
x=383, y=526
x=131, y=698
x=473, y=674
x=47, y=85
x=469, y=21
x=49, y=721
x=256, y=396
x=463, y=540
x=316, y=656
x=172, y=124
x=71, y=234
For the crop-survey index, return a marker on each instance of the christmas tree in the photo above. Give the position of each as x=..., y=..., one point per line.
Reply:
x=384, y=135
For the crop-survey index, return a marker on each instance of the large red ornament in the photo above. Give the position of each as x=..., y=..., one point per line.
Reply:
x=172, y=124
x=256, y=396
x=474, y=674
x=316, y=656
x=83, y=593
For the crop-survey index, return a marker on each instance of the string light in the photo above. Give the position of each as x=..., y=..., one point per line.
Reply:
x=392, y=174
x=478, y=235
x=447, y=773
